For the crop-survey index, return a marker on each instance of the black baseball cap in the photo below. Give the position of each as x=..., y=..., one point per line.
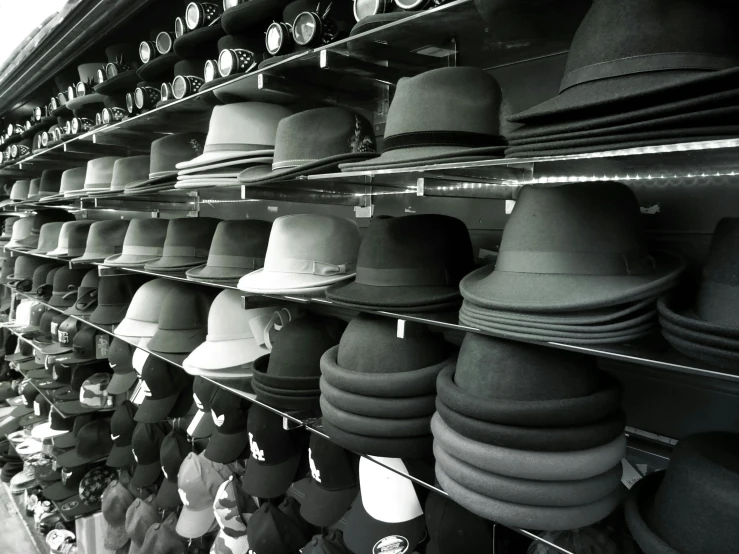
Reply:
x=171, y=455
x=41, y=407
x=47, y=339
x=62, y=341
x=91, y=443
x=334, y=482
x=66, y=441
x=122, y=425
x=164, y=383
x=202, y=394
x=277, y=529
x=453, y=529
x=80, y=374
x=275, y=454
x=147, y=443
x=83, y=346
x=229, y=438
x=69, y=484
x=35, y=322
x=120, y=358
x=25, y=351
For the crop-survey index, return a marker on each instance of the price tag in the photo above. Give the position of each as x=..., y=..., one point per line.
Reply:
x=102, y=344
x=631, y=475
x=54, y=328
x=401, y=329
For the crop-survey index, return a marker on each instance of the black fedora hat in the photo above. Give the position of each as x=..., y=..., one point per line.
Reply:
x=237, y=55
x=241, y=15
x=81, y=94
x=689, y=507
x=592, y=254
x=119, y=74
x=421, y=264
x=645, y=58
x=188, y=78
x=201, y=41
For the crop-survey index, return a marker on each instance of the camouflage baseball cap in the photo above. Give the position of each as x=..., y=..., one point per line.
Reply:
x=93, y=396
x=115, y=502
x=232, y=508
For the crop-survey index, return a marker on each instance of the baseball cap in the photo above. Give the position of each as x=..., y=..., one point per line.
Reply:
x=120, y=358
x=46, y=339
x=90, y=491
x=93, y=396
x=277, y=530
x=172, y=453
x=62, y=341
x=453, y=529
x=275, y=454
x=34, y=323
x=80, y=374
x=41, y=407
x=164, y=383
x=202, y=394
x=146, y=443
x=115, y=502
x=230, y=503
x=162, y=539
x=198, y=481
x=91, y=443
x=330, y=543
x=121, y=433
x=68, y=486
x=66, y=440
x=229, y=438
x=83, y=346
x=141, y=515
x=388, y=513
x=24, y=351
x=55, y=426
x=334, y=482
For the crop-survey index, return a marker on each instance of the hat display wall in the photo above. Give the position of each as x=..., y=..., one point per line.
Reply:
x=157, y=56
x=88, y=75
x=306, y=254
x=144, y=242
x=187, y=244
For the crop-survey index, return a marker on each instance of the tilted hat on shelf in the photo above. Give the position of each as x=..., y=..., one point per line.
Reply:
x=166, y=153
x=144, y=242
x=142, y=316
x=62, y=248
x=66, y=283
x=187, y=244
x=73, y=180
x=306, y=253
x=188, y=78
x=88, y=75
x=105, y=238
x=237, y=132
x=120, y=71
x=338, y=135
x=200, y=41
x=50, y=183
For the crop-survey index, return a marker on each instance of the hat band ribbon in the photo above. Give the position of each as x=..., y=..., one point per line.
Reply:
x=185, y=251
x=143, y=250
x=235, y=146
x=241, y=262
x=574, y=263
x=402, y=276
x=666, y=61
x=310, y=267
x=462, y=139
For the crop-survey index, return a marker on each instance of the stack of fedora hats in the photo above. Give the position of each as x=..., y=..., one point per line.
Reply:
x=378, y=390
x=126, y=170
x=573, y=267
x=690, y=506
x=634, y=78
x=144, y=242
x=240, y=135
x=704, y=325
x=410, y=264
x=528, y=436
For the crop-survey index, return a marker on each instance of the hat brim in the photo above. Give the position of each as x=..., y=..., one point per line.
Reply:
x=155, y=180
x=72, y=458
x=362, y=532
x=122, y=382
x=680, y=315
x=154, y=411
x=277, y=282
x=160, y=68
x=713, y=355
x=167, y=495
x=390, y=447
x=59, y=491
x=146, y=475
x=218, y=169
x=174, y=263
x=217, y=273
x=322, y=507
x=64, y=441
x=82, y=101
x=193, y=184
x=109, y=314
x=80, y=509
x=49, y=385
x=251, y=14
x=176, y=341
x=212, y=160
x=204, y=428
x=130, y=327
x=200, y=43
x=225, y=448
x=44, y=431
x=123, y=82
x=408, y=157
x=219, y=355
x=120, y=456
x=638, y=503
x=75, y=407
x=56, y=349
x=261, y=174
x=408, y=296
x=270, y=481
x=193, y=523
x=129, y=260
x=115, y=536
x=65, y=393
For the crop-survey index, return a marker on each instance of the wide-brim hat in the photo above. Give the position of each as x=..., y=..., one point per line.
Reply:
x=714, y=355
x=223, y=354
x=264, y=173
x=224, y=173
x=160, y=68
x=79, y=102
x=390, y=447
x=253, y=13
x=272, y=282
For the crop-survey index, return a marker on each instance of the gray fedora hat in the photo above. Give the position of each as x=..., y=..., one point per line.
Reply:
x=699, y=337
x=573, y=247
x=187, y=244
x=105, y=238
x=144, y=242
x=644, y=59
x=427, y=122
x=166, y=153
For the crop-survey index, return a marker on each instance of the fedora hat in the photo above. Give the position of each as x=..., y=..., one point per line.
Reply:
x=644, y=59
x=98, y=176
x=88, y=76
x=306, y=254
x=66, y=283
x=72, y=182
x=183, y=321
x=51, y=180
x=115, y=293
x=450, y=131
x=127, y=170
x=593, y=253
x=86, y=298
x=120, y=71
x=105, y=238
x=33, y=189
x=688, y=508
x=144, y=242
x=77, y=241
x=42, y=217
x=187, y=244
x=142, y=315
x=237, y=55
x=166, y=153
x=238, y=132
x=20, y=189
x=238, y=247
x=409, y=261
x=22, y=229
x=242, y=16
x=337, y=135
x=62, y=247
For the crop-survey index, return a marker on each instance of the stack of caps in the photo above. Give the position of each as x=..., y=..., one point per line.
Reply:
x=704, y=325
x=240, y=135
x=378, y=390
x=411, y=264
x=186, y=246
x=528, y=436
x=288, y=377
x=306, y=254
x=573, y=267
x=689, y=507
x=143, y=243
x=681, y=90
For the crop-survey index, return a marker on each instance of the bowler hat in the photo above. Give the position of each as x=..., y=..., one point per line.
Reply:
x=592, y=254
x=644, y=59
x=120, y=71
x=105, y=238
x=166, y=153
x=689, y=507
x=144, y=242
x=88, y=74
x=187, y=244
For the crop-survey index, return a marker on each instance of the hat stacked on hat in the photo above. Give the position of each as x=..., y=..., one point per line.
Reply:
x=704, y=325
x=573, y=267
x=288, y=377
x=634, y=78
x=688, y=507
x=412, y=264
x=186, y=246
x=378, y=390
x=528, y=436
x=144, y=242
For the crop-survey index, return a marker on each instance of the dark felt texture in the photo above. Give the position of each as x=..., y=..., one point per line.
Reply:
x=194, y=233
x=719, y=357
x=407, y=447
x=282, y=402
x=375, y=406
x=372, y=426
x=255, y=13
x=699, y=337
x=674, y=309
x=641, y=497
x=200, y=43
x=183, y=321
x=294, y=383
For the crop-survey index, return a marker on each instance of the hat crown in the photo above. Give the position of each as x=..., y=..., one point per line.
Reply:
x=66, y=231
x=106, y=236
x=457, y=99
x=73, y=179
x=198, y=480
x=370, y=344
x=194, y=68
x=100, y=172
x=146, y=304
x=77, y=239
x=66, y=278
x=502, y=369
x=93, y=440
x=88, y=71
x=115, y=290
x=298, y=347
x=228, y=319
x=115, y=502
x=49, y=216
x=122, y=423
x=184, y=308
x=129, y=170
x=247, y=41
x=168, y=151
x=173, y=451
x=699, y=487
x=145, y=232
x=34, y=187
x=20, y=190
x=247, y=238
x=251, y=124
x=126, y=53
x=139, y=517
x=196, y=233
x=334, y=132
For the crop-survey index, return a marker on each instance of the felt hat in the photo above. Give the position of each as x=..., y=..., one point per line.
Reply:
x=49, y=185
x=645, y=59
x=88, y=75
x=166, y=153
x=238, y=132
x=238, y=247
x=142, y=315
x=20, y=189
x=42, y=217
x=73, y=180
x=144, y=242
x=120, y=71
x=21, y=230
x=86, y=299
x=237, y=55
x=592, y=255
x=242, y=16
x=338, y=135
x=77, y=240
x=129, y=170
x=157, y=54
x=702, y=468
x=66, y=283
x=104, y=238
x=98, y=176
x=306, y=253
x=62, y=247
x=187, y=244
x=188, y=78
x=183, y=321
x=115, y=293
x=421, y=265
x=160, y=68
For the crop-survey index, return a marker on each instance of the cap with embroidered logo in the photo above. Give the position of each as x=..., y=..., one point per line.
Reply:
x=83, y=346
x=146, y=443
x=198, y=481
x=68, y=486
x=229, y=438
x=122, y=425
x=90, y=492
x=202, y=394
x=120, y=358
x=65, y=333
x=92, y=443
x=171, y=455
x=164, y=383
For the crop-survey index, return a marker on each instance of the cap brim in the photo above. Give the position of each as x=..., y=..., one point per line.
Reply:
x=72, y=458
x=154, y=411
x=277, y=282
x=109, y=314
x=217, y=355
x=167, y=495
x=270, y=481
x=62, y=442
x=44, y=431
x=226, y=448
x=122, y=382
x=193, y=524
x=80, y=509
x=74, y=407
x=59, y=491
x=120, y=456
x=135, y=328
x=146, y=475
